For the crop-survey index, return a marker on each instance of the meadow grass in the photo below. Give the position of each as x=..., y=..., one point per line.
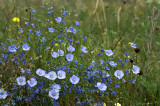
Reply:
x=107, y=25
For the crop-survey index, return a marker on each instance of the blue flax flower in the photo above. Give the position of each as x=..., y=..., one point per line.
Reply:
x=69, y=57
x=61, y=74
x=101, y=86
x=38, y=33
x=136, y=69
x=51, y=75
x=55, y=87
x=33, y=11
x=21, y=80
x=65, y=13
x=83, y=49
x=60, y=52
x=32, y=26
x=32, y=82
x=12, y=48
x=119, y=74
x=74, y=79
x=77, y=23
x=25, y=47
x=112, y=63
x=3, y=94
x=53, y=94
x=26, y=23
x=133, y=45
x=70, y=48
x=54, y=54
x=43, y=39
x=22, y=70
x=72, y=30
x=51, y=29
x=109, y=52
x=41, y=72
x=58, y=19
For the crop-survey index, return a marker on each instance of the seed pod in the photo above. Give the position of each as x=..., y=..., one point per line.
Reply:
x=137, y=50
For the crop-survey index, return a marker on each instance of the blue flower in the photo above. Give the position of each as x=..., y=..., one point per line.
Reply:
x=84, y=38
x=74, y=79
x=51, y=75
x=47, y=20
x=136, y=69
x=21, y=55
x=26, y=23
x=64, y=13
x=127, y=71
x=69, y=57
x=33, y=11
x=58, y=19
x=3, y=94
x=63, y=21
x=60, y=52
x=25, y=47
x=32, y=82
x=50, y=9
x=55, y=87
x=28, y=71
x=12, y=48
x=38, y=33
x=32, y=25
x=105, y=74
x=112, y=63
x=61, y=74
x=72, y=30
x=116, y=86
x=53, y=94
x=47, y=48
x=83, y=49
x=77, y=23
x=133, y=45
x=101, y=86
x=54, y=54
x=41, y=72
x=119, y=74
x=22, y=70
x=43, y=39
x=21, y=80
x=30, y=30
x=109, y=52
x=70, y=48
x=132, y=81
x=123, y=80
x=101, y=62
x=51, y=29
x=20, y=30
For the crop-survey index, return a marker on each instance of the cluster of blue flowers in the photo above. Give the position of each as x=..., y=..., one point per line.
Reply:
x=51, y=60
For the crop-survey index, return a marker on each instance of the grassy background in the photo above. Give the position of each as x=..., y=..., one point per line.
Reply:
x=107, y=22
